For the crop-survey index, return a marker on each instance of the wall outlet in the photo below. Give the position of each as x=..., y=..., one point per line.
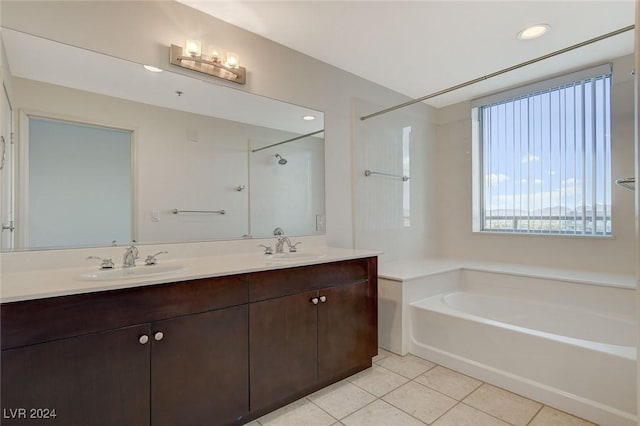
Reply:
x=155, y=215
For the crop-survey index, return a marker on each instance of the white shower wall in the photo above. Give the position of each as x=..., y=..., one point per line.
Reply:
x=289, y=196
x=378, y=200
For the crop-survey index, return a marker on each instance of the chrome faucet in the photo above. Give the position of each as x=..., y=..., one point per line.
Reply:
x=280, y=244
x=151, y=259
x=130, y=256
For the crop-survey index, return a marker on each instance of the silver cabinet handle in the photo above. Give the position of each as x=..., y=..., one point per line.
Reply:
x=314, y=300
x=323, y=299
x=143, y=339
x=158, y=336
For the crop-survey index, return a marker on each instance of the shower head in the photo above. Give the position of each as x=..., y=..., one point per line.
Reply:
x=281, y=161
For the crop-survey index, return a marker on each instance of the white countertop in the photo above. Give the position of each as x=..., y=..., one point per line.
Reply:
x=37, y=284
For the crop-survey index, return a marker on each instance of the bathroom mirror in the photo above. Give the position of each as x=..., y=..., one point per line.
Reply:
x=201, y=166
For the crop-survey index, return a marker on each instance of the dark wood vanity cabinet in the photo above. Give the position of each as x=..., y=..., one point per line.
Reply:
x=95, y=379
x=203, y=352
x=309, y=327
x=183, y=362
x=199, y=369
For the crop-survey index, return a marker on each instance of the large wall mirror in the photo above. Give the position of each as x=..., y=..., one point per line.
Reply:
x=109, y=151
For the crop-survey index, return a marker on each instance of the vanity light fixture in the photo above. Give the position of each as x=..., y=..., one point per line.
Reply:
x=211, y=61
x=152, y=69
x=308, y=117
x=533, y=31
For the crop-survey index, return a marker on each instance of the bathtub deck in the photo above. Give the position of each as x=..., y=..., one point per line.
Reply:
x=405, y=270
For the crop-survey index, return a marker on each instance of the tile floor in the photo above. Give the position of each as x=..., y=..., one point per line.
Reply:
x=408, y=391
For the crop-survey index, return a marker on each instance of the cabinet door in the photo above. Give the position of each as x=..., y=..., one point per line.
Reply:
x=345, y=318
x=283, y=345
x=199, y=369
x=91, y=380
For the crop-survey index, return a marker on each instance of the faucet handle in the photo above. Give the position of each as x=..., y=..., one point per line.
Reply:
x=293, y=248
x=107, y=263
x=267, y=249
x=151, y=259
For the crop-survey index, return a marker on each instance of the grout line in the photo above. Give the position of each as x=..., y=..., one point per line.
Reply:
x=359, y=409
x=442, y=415
x=392, y=372
x=406, y=412
x=436, y=391
x=535, y=415
x=488, y=414
x=329, y=414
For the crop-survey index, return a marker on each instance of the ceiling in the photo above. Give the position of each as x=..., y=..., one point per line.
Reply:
x=420, y=47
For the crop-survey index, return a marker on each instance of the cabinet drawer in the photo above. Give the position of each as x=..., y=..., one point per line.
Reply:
x=35, y=321
x=283, y=282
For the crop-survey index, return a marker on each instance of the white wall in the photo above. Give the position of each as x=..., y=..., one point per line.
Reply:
x=142, y=31
x=454, y=195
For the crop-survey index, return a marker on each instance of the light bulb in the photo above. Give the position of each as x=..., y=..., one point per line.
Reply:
x=534, y=31
x=233, y=60
x=193, y=48
x=214, y=54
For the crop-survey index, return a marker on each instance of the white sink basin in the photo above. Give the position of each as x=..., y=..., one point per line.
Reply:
x=130, y=273
x=294, y=257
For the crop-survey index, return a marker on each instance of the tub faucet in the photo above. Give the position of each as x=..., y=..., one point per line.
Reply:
x=130, y=256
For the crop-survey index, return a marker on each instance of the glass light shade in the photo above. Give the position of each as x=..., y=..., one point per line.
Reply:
x=193, y=48
x=213, y=53
x=233, y=60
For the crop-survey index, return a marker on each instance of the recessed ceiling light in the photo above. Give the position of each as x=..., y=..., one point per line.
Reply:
x=152, y=69
x=308, y=117
x=533, y=31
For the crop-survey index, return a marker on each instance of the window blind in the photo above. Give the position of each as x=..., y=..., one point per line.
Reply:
x=546, y=158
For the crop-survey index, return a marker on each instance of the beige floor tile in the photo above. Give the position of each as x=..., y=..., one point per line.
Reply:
x=449, y=382
x=341, y=399
x=301, y=412
x=551, y=417
x=379, y=413
x=377, y=380
x=381, y=354
x=507, y=406
x=253, y=423
x=408, y=366
x=463, y=415
x=421, y=402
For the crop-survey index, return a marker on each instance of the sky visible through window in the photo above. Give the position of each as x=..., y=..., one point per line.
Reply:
x=547, y=161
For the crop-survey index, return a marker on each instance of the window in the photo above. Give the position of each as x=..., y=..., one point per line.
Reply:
x=542, y=157
x=406, y=171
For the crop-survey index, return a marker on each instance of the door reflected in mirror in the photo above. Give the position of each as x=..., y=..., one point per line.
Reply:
x=86, y=169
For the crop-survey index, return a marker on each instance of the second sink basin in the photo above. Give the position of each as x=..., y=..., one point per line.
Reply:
x=130, y=273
